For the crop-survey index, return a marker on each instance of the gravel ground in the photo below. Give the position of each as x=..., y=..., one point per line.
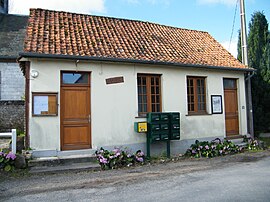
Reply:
x=24, y=184
x=4, y=143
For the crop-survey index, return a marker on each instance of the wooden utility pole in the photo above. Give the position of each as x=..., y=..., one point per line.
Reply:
x=245, y=62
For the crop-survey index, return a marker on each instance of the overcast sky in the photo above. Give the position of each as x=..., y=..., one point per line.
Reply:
x=213, y=16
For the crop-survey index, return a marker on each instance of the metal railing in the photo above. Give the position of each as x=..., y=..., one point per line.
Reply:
x=13, y=136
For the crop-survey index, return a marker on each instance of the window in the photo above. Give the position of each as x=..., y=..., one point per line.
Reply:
x=196, y=95
x=229, y=83
x=75, y=78
x=149, y=93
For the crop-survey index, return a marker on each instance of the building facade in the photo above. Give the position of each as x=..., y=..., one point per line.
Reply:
x=12, y=32
x=82, y=95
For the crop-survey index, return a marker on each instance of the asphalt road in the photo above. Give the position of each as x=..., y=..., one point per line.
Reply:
x=234, y=178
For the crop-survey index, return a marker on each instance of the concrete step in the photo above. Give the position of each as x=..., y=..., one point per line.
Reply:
x=264, y=135
x=63, y=163
x=76, y=152
x=61, y=160
x=241, y=144
x=237, y=140
x=74, y=167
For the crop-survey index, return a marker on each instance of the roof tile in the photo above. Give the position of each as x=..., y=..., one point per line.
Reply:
x=64, y=33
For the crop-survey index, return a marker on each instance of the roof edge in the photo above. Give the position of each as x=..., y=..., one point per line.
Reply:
x=8, y=57
x=110, y=59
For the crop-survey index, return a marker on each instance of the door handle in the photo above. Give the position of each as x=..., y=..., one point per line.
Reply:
x=89, y=118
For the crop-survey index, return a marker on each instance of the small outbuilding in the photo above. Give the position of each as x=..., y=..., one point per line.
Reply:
x=12, y=33
x=89, y=78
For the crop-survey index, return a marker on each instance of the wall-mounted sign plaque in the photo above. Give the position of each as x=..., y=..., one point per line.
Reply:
x=115, y=80
x=44, y=104
x=216, y=103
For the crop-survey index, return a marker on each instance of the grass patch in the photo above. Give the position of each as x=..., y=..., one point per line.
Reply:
x=17, y=173
x=266, y=141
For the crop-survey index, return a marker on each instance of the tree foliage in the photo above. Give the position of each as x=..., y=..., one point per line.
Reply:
x=259, y=59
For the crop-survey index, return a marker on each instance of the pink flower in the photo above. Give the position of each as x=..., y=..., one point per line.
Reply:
x=117, y=154
x=140, y=159
x=103, y=160
x=116, y=150
x=207, y=147
x=10, y=155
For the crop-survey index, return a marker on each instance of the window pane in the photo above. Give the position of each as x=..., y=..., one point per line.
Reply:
x=157, y=81
x=153, y=99
x=140, y=99
x=144, y=90
x=157, y=90
x=144, y=81
x=145, y=108
x=140, y=108
x=139, y=90
x=152, y=81
x=199, y=106
x=75, y=78
x=199, y=89
x=158, y=108
x=144, y=100
x=229, y=83
x=153, y=108
x=139, y=80
x=198, y=83
x=153, y=90
x=157, y=99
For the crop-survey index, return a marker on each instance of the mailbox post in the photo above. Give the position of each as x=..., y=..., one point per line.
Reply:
x=162, y=127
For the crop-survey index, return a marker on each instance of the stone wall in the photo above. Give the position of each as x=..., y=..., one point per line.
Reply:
x=11, y=81
x=12, y=115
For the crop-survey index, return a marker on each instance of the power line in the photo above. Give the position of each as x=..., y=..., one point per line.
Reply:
x=235, y=10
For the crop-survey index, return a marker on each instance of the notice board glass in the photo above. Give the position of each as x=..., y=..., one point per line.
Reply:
x=44, y=104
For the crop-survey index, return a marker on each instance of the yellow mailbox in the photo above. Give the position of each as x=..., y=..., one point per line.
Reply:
x=140, y=127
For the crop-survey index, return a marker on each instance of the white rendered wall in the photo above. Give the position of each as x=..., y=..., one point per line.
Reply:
x=114, y=107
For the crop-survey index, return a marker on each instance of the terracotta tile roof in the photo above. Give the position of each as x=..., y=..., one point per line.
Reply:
x=63, y=33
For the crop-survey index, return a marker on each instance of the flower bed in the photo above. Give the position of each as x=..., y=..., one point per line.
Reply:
x=118, y=158
x=7, y=160
x=212, y=149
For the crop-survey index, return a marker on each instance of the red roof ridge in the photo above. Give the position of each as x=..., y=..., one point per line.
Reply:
x=119, y=18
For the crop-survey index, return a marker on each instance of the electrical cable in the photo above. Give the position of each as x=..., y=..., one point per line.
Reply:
x=233, y=24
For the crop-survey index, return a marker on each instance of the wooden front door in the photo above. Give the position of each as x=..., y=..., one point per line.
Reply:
x=75, y=111
x=231, y=107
